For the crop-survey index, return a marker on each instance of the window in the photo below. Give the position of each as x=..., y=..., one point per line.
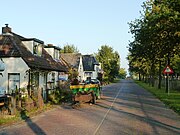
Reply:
x=37, y=49
x=2, y=65
x=97, y=69
x=88, y=74
x=53, y=77
x=56, y=54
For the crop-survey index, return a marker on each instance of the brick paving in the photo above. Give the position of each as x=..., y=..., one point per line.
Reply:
x=125, y=109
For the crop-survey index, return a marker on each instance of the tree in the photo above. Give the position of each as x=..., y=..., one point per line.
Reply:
x=176, y=65
x=122, y=73
x=73, y=74
x=156, y=38
x=69, y=48
x=110, y=61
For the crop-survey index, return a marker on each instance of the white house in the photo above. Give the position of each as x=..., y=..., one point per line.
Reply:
x=26, y=64
x=86, y=65
x=91, y=67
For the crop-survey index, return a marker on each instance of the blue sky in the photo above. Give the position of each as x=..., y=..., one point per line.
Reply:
x=88, y=24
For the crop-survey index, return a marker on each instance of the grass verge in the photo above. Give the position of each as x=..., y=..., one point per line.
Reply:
x=172, y=100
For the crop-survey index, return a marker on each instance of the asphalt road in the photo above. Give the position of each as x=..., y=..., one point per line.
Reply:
x=125, y=109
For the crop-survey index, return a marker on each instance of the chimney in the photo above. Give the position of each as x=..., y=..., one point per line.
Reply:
x=6, y=29
x=50, y=44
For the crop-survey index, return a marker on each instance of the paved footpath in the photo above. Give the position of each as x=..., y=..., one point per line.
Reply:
x=125, y=109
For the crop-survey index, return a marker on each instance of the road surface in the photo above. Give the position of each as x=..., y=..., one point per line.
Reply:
x=125, y=109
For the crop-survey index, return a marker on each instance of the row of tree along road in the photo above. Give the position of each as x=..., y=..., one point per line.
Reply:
x=156, y=42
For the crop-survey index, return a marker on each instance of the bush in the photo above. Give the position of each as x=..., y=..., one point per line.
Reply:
x=59, y=96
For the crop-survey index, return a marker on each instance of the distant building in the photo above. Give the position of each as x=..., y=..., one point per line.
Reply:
x=86, y=65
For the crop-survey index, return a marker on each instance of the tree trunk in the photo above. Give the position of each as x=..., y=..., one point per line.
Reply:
x=152, y=82
x=139, y=76
x=152, y=74
x=160, y=77
x=143, y=78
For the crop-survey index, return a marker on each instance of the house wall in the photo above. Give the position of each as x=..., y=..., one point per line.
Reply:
x=81, y=70
x=95, y=72
x=29, y=45
x=94, y=75
x=56, y=54
x=50, y=51
x=87, y=75
x=14, y=65
x=91, y=74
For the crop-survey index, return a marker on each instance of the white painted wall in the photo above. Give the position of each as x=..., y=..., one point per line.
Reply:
x=56, y=54
x=87, y=74
x=50, y=51
x=29, y=45
x=95, y=72
x=92, y=74
x=14, y=65
x=81, y=70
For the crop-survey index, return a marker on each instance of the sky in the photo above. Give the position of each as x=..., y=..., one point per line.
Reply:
x=87, y=24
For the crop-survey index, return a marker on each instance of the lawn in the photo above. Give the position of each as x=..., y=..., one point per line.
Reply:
x=172, y=100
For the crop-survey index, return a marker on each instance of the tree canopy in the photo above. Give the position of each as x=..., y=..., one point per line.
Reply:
x=110, y=61
x=69, y=48
x=122, y=73
x=156, y=36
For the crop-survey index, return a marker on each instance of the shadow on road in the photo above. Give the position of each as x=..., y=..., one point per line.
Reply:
x=34, y=127
x=133, y=98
